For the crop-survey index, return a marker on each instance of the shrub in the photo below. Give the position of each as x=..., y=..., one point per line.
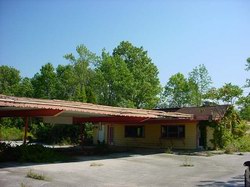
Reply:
x=56, y=134
x=241, y=144
x=30, y=153
x=11, y=133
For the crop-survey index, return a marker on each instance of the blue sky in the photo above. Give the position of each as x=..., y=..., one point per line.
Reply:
x=178, y=35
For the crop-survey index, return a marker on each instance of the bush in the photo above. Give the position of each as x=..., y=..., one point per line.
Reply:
x=56, y=134
x=241, y=144
x=11, y=133
x=29, y=153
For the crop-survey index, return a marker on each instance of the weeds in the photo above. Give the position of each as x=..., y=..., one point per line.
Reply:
x=96, y=164
x=169, y=150
x=187, y=162
x=37, y=176
x=24, y=185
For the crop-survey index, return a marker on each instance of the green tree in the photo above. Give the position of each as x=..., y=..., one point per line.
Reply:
x=83, y=70
x=244, y=102
x=200, y=82
x=146, y=85
x=247, y=69
x=9, y=80
x=229, y=93
x=25, y=88
x=44, y=82
x=213, y=95
x=66, y=85
x=114, y=82
x=177, y=91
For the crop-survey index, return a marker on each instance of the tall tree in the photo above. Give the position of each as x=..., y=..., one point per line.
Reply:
x=244, y=102
x=114, y=82
x=200, y=82
x=83, y=69
x=66, y=85
x=229, y=93
x=146, y=85
x=177, y=91
x=9, y=80
x=44, y=82
x=25, y=88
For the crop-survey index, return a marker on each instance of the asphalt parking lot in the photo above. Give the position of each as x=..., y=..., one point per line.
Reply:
x=128, y=170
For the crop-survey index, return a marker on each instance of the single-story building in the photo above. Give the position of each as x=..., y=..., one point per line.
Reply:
x=164, y=133
x=180, y=128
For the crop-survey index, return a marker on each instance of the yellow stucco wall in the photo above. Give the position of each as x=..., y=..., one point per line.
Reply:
x=153, y=138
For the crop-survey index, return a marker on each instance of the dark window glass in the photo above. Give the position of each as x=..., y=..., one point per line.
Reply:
x=134, y=131
x=173, y=131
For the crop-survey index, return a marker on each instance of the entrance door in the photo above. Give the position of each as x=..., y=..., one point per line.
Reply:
x=101, y=133
x=202, y=136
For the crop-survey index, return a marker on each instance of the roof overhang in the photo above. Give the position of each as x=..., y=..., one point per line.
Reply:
x=70, y=112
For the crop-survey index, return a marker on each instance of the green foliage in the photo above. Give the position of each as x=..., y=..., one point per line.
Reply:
x=241, y=144
x=83, y=74
x=247, y=69
x=146, y=84
x=192, y=91
x=200, y=82
x=9, y=80
x=114, y=82
x=229, y=93
x=25, y=88
x=12, y=122
x=56, y=134
x=244, y=103
x=11, y=133
x=66, y=85
x=29, y=153
x=228, y=129
x=44, y=83
x=177, y=91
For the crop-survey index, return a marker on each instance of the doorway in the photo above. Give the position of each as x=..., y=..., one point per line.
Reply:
x=202, y=136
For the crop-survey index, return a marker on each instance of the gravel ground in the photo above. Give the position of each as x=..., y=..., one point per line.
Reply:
x=128, y=170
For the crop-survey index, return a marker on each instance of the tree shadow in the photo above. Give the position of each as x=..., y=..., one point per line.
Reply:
x=76, y=154
x=234, y=181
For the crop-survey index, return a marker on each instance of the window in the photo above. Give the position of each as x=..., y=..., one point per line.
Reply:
x=134, y=131
x=173, y=131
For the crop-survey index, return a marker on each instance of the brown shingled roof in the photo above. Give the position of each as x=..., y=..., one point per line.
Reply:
x=10, y=102
x=202, y=113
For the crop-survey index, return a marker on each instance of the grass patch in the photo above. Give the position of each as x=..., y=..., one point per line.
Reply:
x=96, y=164
x=187, y=162
x=37, y=176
